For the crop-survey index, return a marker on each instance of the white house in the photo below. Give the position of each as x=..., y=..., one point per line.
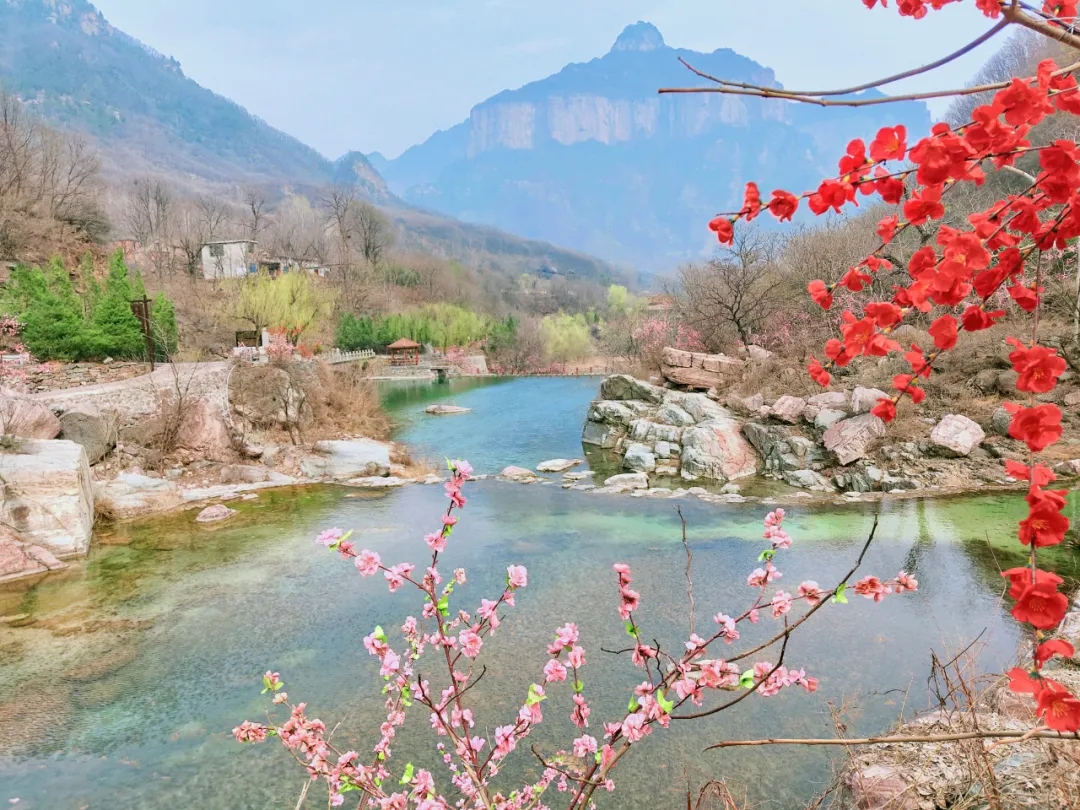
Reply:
x=228, y=259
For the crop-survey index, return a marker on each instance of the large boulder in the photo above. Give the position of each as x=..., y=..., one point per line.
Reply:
x=700, y=407
x=640, y=458
x=46, y=495
x=19, y=559
x=782, y=452
x=956, y=435
x=203, y=431
x=623, y=386
x=26, y=419
x=716, y=449
x=602, y=435
x=788, y=409
x=85, y=424
x=341, y=460
x=830, y=399
x=672, y=414
x=697, y=370
x=863, y=400
x=131, y=495
x=611, y=412
x=849, y=439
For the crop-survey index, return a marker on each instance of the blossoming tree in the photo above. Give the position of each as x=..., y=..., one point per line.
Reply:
x=959, y=280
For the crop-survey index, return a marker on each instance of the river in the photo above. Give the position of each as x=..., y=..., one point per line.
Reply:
x=120, y=686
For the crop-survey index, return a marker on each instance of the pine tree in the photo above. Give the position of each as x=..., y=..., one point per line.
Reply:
x=120, y=333
x=163, y=327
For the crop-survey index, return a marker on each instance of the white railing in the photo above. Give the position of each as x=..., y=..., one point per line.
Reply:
x=336, y=356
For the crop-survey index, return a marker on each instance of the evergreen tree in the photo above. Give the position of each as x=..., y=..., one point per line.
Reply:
x=120, y=333
x=91, y=290
x=163, y=321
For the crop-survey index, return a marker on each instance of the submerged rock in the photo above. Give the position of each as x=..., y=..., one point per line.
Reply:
x=640, y=458
x=522, y=474
x=130, y=495
x=557, y=465
x=445, y=410
x=212, y=514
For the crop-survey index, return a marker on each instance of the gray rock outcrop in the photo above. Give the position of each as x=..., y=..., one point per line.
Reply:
x=956, y=435
x=342, y=460
x=849, y=439
x=863, y=400
x=130, y=495
x=85, y=424
x=46, y=496
x=697, y=370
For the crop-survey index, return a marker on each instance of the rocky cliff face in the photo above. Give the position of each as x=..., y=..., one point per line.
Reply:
x=594, y=158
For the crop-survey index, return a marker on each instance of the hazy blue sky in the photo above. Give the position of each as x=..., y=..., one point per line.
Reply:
x=384, y=74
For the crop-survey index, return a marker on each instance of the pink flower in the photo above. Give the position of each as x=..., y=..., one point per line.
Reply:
x=576, y=657
x=449, y=520
x=328, y=537
x=629, y=601
x=781, y=604
x=719, y=674
x=695, y=645
x=727, y=627
x=436, y=541
x=470, y=642
x=396, y=575
x=453, y=492
x=753, y=616
x=811, y=592
x=584, y=746
x=248, y=732
x=505, y=741
x=489, y=610
x=280, y=697
x=554, y=671
x=905, y=582
x=368, y=562
x=872, y=588
x=567, y=635
x=462, y=468
x=634, y=727
x=517, y=576
x=459, y=576
x=579, y=715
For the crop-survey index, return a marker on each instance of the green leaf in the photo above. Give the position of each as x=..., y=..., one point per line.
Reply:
x=597, y=757
x=380, y=634
x=450, y=465
x=579, y=687
x=664, y=703
x=840, y=596
x=633, y=705
x=534, y=696
x=408, y=775
x=747, y=679
x=630, y=629
x=767, y=554
x=444, y=605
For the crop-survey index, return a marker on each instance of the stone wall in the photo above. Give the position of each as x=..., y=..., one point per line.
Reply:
x=58, y=376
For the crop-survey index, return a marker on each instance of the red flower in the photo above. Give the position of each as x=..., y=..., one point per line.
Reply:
x=1038, y=427
x=854, y=159
x=923, y=261
x=886, y=228
x=854, y=280
x=836, y=352
x=975, y=318
x=1009, y=262
x=1038, y=367
x=890, y=144
x=885, y=410
x=1059, y=708
x=991, y=8
x=884, y=313
x=1044, y=526
x=819, y=374
x=1020, y=578
x=908, y=384
x=1048, y=649
x=783, y=205
x=820, y=293
x=724, y=230
x=924, y=205
x=943, y=331
x=1022, y=472
x=1025, y=297
x=1021, y=682
x=920, y=365
x=1041, y=606
x=751, y=202
x=891, y=189
x=857, y=334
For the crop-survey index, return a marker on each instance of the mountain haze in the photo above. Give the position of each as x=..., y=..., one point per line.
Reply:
x=65, y=61
x=594, y=158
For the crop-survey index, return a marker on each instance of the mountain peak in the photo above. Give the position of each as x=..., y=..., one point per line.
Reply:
x=641, y=36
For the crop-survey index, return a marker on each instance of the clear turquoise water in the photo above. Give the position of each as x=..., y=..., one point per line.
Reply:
x=120, y=689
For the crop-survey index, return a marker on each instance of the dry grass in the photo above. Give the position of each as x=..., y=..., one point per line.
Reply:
x=400, y=456
x=345, y=402
x=104, y=511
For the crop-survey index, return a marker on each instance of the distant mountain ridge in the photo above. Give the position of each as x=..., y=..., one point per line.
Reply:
x=67, y=63
x=593, y=158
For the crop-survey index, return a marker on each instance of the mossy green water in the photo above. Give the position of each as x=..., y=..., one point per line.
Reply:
x=121, y=690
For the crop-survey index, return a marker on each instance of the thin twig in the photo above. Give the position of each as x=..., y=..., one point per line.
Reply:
x=689, y=560
x=906, y=738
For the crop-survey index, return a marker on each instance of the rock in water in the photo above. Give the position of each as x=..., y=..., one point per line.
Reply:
x=557, y=465
x=716, y=449
x=639, y=458
x=46, y=495
x=627, y=482
x=445, y=410
x=212, y=514
x=521, y=474
x=131, y=495
x=623, y=386
x=956, y=435
x=849, y=439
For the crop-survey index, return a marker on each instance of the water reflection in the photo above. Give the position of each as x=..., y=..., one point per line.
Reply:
x=120, y=686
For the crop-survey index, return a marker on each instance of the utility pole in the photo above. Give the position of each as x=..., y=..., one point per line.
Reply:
x=140, y=307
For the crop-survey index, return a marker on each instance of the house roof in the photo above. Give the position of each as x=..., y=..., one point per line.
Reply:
x=403, y=343
x=231, y=242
